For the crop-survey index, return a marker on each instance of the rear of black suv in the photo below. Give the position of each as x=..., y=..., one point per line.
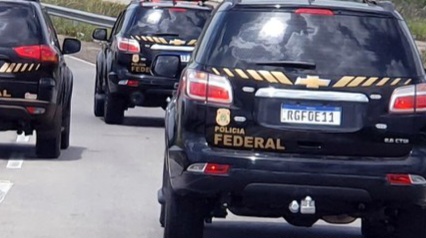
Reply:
x=150, y=45
x=35, y=83
x=307, y=111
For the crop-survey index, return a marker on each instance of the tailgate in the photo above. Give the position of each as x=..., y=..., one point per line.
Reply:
x=317, y=84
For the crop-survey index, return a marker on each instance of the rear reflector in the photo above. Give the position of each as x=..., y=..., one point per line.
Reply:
x=36, y=110
x=43, y=53
x=208, y=168
x=405, y=179
x=408, y=99
x=216, y=169
x=130, y=83
x=314, y=11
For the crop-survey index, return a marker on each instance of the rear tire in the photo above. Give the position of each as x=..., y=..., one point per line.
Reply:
x=184, y=217
x=98, y=104
x=411, y=223
x=99, y=97
x=113, y=109
x=374, y=229
x=48, y=143
x=66, y=125
x=162, y=215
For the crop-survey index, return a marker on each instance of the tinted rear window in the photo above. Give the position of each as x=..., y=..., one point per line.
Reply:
x=18, y=25
x=338, y=45
x=187, y=23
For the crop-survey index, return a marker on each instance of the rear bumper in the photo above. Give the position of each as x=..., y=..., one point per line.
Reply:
x=147, y=84
x=14, y=114
x=266, y=178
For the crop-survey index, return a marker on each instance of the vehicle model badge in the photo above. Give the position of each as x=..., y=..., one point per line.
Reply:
x=223, y=117
x=135, y=58
x=312, y=82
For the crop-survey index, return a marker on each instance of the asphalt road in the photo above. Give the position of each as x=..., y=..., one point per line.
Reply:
x=104, y=185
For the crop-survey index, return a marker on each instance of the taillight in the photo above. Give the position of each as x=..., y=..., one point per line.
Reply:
x=43, y=53
x=408, y=99
x=405, y=179
x=128, y=45
x=207, y=87
x=314, y=11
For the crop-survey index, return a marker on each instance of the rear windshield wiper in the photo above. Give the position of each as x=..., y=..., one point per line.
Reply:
x=165, y=34
x=292, y=64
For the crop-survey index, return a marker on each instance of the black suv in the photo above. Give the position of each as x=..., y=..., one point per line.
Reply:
x=35, y=82
x=141, y=62
x=305, y=110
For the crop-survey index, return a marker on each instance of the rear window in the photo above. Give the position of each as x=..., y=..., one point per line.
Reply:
x=337, y=45
x=185, y=23
x=18, y=25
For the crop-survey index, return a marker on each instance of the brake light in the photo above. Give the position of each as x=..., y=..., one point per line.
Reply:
x=408, y=99
x=128, y=45
x=314, y=11
x=211, y=169
x=216, y=169
x=36, y=110
x=177, y=9
x=43, y=53
x=207, y=87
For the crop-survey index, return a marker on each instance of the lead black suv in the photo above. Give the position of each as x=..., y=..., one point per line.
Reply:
x=141, y=62
x=35, y=82
x=304, y=110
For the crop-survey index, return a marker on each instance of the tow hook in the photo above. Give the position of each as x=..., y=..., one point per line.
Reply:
x=307, y=206
x=294, y=207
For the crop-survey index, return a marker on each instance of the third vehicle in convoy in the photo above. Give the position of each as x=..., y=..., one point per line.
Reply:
x=141, y=61
x=304, y=110
x=35, y=81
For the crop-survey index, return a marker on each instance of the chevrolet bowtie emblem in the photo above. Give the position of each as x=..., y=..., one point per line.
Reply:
x=177, y=42
x=312, y=82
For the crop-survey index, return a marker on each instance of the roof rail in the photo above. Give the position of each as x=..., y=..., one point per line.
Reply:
x=198, y=2
x=387, y=5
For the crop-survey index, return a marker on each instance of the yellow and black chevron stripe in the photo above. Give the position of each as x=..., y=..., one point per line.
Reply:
x=258, y=75
x=281, y=78
x=161, y=40
x=18, y=67
x=353, y=81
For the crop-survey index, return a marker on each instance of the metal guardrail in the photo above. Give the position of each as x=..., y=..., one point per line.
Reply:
x=81, y=16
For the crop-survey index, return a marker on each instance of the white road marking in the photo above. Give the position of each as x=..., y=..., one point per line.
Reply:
x=14, y=164
x=22, y=138
x=16, y=161
x=80, y=60
x=5, y=186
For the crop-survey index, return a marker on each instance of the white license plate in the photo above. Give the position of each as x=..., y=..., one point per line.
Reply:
x=297, y=114
x=185, y=58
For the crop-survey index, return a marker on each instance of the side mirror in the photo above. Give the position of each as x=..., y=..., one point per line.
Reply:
x=166, y=66
x=71, y=46
x=100, y=34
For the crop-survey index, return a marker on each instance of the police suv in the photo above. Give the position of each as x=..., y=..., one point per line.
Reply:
x=35, y=82
x=141, y=61
x=304, y=110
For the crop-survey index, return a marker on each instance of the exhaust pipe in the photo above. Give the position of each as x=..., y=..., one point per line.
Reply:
x=137, y=98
